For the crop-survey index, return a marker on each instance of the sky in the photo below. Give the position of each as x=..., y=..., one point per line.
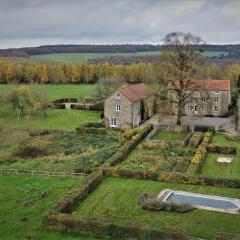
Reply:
x=26, y=23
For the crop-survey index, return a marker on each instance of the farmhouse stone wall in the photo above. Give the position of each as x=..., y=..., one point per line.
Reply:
x=205, y=103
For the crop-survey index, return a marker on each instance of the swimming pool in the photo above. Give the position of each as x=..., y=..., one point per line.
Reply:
x=202, y=201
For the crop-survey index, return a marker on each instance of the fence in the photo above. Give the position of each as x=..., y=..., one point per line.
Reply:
x=4, y=171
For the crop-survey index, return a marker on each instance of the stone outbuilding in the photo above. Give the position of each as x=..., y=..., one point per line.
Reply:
x=128, y=107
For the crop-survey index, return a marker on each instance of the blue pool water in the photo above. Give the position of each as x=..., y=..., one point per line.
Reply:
x=204, y=201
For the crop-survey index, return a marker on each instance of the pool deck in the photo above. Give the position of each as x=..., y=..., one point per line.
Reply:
x=166, y=193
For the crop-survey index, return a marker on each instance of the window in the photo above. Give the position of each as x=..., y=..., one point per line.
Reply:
x=215, y=99
x=195, y=108
x=118, y=95
x=215, y=109
x=190, y=108
x=113, y=122
x=216, y=92
x=118, y=108
x=204, y=99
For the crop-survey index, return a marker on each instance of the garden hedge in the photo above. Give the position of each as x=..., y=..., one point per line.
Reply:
x=73, y=198
x=92, y=128
x=116, y=229
x=221, y=149
x=198, y=158
x=171, y=177
x=127, y=148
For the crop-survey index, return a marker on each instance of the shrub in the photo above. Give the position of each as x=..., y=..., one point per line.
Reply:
x=200, y=154
x=91, y=130
x=129, y=133
x=154, y=204
x=221, y=149
x=30, y=151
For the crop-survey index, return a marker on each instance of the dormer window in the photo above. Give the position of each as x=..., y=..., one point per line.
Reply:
x=118, y=108
x=118, y=95
x=216, y=92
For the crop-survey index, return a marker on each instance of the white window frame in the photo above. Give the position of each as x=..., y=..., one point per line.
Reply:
x=113, y=122
x=216, y=92
x=118, y=108
x=215, y=109
x=204, y=99
x=118, y=95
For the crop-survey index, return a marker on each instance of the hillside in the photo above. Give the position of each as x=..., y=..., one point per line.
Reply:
x=115, y=48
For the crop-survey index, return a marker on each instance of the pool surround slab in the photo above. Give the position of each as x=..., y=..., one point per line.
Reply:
x=168, y=193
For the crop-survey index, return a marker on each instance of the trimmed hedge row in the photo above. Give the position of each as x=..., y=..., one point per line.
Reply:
x=198, y=158
x=97, y=131
x=126, y=149
x=92, y=128
x=98, y=106
x=221, y=149
x=66, y=100
x=78, y=194
x=171, y=177
x=111, y=228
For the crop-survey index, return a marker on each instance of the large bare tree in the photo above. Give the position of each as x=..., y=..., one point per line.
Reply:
x=181, y=52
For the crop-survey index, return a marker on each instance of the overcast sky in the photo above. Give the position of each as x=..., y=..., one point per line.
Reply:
x=41, y=22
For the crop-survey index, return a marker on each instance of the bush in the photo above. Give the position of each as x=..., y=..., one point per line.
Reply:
x=30, y=151
x=221, y=149
x=129, y=133
x=59, y=105
x=91, y=130
x=154, y=204
x=66, y=100
x=200, y=154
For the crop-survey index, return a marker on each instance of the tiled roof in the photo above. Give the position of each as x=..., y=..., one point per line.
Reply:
x=135, y=92
x=211, y=85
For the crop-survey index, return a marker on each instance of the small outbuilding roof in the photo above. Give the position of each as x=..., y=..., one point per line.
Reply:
x=135, y=92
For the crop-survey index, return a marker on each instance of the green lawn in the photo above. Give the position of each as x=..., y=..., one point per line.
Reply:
x=56, y=119
x=83, y=57
x=23, y=202
x=215, y=169
x=57, y=91
x=222, y=170
x=170, y=136
x=117, y=199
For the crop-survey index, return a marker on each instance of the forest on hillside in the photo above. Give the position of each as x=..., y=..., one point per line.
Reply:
x=114, y=48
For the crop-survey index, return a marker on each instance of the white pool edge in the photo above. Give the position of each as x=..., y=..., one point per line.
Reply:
x=233, y=200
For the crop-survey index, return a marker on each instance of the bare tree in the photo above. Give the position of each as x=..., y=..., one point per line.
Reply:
x=181, y=52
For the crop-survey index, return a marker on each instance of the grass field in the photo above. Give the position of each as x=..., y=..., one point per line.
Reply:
x=119, y=201
x=222, y=170
x=56, y=119
x=24, y=201
x=57, y=91
x=171, y=136
x=83, y=57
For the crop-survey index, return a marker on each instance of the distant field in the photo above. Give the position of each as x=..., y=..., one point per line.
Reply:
x=83, y=57
x=58, y=91
x=24, y=201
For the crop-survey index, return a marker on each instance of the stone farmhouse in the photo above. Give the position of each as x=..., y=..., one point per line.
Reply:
x=210, y=98
x=128, y=106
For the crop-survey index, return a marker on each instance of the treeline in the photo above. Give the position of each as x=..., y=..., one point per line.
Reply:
x=30, y=71
x=23, y=52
